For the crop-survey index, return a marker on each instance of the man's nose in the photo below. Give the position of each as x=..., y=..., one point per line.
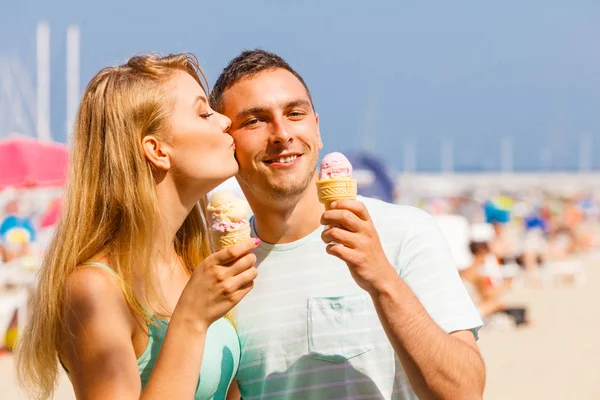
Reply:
x=280, y=133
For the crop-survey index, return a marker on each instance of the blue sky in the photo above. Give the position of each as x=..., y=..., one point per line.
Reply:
x=381, y=72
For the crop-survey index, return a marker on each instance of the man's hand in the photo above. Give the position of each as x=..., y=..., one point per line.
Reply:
x=438, y=365
x=357, y=243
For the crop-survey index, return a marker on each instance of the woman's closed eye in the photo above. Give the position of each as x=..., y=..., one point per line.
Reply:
x=206, y=115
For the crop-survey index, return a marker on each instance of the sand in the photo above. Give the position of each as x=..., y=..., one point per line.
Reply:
x=556, y=357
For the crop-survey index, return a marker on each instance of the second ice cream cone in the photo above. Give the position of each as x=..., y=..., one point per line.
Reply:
x=331, y=190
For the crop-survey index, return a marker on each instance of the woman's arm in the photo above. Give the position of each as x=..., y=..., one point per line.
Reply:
x=97, y=346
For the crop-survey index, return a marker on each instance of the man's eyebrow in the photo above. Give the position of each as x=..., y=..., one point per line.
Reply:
x=263, y=110
x=298, y=103
x=251, y=111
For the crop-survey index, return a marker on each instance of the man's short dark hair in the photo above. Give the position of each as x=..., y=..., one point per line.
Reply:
x=246, y=65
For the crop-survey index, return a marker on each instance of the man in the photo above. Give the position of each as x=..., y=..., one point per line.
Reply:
x=380, y=313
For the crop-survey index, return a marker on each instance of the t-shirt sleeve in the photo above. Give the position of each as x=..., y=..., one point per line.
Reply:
x=426, y=265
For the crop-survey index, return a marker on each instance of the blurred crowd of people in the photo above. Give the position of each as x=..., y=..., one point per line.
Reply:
x=498, y=241
x=506, y=240
x=27, y=221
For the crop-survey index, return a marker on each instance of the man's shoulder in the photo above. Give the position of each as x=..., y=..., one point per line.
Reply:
x=383, y=211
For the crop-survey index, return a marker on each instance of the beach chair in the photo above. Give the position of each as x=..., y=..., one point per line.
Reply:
x=561, y=272
x=11, y=301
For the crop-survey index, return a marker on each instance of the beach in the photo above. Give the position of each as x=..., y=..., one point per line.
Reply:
x=556, y=357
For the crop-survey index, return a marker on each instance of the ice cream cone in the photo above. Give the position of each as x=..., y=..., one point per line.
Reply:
x=229, y=238
x=228, y=219
x=334, y=189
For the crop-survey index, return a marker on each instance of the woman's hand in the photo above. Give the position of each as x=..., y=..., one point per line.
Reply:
x=218, y=284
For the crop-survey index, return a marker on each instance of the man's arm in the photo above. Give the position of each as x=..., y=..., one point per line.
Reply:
x=438, y=364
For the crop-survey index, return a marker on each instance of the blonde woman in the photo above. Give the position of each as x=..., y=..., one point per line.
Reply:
x=130, y=301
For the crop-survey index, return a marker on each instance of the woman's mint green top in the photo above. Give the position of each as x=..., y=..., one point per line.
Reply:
x=220, y=361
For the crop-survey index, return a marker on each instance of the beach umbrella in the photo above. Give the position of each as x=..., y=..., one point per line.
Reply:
x=29, y=163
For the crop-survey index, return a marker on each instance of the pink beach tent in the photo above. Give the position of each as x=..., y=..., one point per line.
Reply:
x=52, y=214
x=26, y=162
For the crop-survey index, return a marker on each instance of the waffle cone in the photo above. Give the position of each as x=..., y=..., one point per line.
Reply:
x=331, y=190
x=225, y=239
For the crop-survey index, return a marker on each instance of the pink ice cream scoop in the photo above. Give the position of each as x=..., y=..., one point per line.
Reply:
x=228, y=218
x=227, y=212
x=335, y=165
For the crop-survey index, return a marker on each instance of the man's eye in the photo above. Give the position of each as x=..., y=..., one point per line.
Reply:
x=252, y=121
x=296, y=114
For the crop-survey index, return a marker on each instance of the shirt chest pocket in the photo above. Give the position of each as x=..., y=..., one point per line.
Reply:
x=338, y=327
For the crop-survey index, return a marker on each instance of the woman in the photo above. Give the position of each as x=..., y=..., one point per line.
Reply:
x=487, y=292
x=130, y=300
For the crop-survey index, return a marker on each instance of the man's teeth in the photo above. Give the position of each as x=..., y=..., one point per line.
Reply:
x=284, y=160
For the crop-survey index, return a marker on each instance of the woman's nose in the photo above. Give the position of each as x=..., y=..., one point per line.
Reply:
x=225, y=122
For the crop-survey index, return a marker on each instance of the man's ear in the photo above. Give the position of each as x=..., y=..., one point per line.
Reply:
x=156, y=152
x=319, y=132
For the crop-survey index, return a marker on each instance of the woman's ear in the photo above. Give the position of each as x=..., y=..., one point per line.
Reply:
x=156, y=152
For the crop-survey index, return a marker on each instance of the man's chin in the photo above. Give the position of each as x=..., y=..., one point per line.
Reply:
x=276, y=185
x=279, y=189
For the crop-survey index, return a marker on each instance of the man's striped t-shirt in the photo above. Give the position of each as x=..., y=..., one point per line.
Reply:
x=308, y=331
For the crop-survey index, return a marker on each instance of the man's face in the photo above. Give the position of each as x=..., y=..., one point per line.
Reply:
x=276, y=132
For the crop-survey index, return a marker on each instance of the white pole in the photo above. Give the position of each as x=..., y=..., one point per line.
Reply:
x=506, y=154
x=43, y=81
x=447, y=156
x=545, y=155
x=586, y=145
x=410, y=156
x=72, y=77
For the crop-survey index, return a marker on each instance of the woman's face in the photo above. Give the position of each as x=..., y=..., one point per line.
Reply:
x=201, y=152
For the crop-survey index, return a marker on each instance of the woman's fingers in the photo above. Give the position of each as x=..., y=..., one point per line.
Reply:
x=242, y=264
x=245, y=281
x=232, y=253
x=238, y=286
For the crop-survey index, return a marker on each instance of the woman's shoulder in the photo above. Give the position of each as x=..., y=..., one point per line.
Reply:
x=91, y=279
x=98, y=329
x=96, y=293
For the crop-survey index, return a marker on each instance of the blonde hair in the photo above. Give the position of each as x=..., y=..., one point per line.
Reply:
x=110, y=207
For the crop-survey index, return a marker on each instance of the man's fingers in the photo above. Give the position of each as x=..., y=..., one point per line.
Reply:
x=339, y=235
x=343, y=218
x=342, y=252
x=354, y=206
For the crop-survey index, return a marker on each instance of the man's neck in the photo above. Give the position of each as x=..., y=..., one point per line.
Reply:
x=279, y=222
